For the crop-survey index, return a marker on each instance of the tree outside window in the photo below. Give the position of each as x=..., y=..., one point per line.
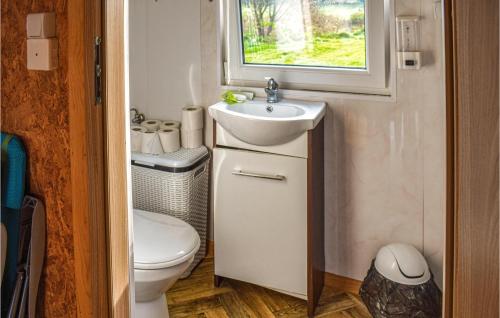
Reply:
x=323, y=33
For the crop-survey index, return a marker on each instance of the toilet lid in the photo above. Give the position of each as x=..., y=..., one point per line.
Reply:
x=161, y=240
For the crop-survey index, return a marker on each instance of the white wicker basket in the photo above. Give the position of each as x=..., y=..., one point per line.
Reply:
x=175, y=184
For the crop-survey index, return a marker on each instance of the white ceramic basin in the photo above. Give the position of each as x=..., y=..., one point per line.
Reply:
x=265, y=124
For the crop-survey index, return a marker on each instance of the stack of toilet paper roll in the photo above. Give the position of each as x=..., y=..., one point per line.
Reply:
x=170, y=139
x=136, y=133
x=170, y=124
x=155, y=137
x=192, y=127
x=151, y=143
x=151, y=124
x=169, y=134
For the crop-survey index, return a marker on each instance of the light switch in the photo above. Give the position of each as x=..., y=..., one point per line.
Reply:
x=41, y=25
x=42, y=54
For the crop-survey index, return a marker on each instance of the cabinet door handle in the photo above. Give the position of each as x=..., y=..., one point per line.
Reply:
x=276, y=177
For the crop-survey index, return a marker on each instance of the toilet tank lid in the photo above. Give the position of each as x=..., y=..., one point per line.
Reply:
x=178, y=161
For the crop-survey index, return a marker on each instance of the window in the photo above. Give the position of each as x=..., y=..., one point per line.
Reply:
x=304, y=33
x=330, y=45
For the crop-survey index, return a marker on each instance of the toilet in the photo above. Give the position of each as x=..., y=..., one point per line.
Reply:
x=164, y=247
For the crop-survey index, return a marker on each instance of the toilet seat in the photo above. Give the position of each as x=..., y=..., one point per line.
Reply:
x=162, y=241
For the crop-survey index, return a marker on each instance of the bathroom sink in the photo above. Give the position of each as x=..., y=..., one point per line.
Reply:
x=260, y=123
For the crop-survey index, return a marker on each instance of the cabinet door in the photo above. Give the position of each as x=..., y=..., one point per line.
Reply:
x=260, y=219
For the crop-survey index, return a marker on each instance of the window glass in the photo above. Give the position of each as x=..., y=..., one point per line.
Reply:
x=319, y=33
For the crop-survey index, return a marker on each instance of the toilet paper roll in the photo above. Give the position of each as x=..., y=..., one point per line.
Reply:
x=192, y=138
x=151, y=143
x=136, y=137
x=192, y=118
x=166, y=124
x=151, y=124
x=170, y=139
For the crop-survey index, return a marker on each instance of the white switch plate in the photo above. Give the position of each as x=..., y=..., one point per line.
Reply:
x=41, y=25
x=42, y=54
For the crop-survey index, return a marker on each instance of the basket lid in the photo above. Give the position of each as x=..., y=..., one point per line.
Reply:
x=182, y=159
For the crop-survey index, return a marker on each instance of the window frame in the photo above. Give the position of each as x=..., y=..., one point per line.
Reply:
x=374, y=79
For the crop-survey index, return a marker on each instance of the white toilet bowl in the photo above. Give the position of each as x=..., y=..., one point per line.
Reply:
x=164, y=247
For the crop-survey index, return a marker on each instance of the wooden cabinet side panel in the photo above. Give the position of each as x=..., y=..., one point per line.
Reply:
x=315, y=217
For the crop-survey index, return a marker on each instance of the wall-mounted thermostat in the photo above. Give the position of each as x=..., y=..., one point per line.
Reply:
x=408, y=36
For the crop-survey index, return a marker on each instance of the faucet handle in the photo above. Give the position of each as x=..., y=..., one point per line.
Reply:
x=271, y=83
x=138, y=117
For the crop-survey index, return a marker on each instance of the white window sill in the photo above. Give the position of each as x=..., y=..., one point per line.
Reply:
x=313, y=95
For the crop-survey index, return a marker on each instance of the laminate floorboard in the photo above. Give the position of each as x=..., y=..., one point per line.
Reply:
x=196, y=296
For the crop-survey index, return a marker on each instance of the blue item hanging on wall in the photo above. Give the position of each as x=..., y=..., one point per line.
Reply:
x=13, y=190
x=13, y=171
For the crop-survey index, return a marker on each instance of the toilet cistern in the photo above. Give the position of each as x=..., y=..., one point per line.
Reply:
x=272, y=90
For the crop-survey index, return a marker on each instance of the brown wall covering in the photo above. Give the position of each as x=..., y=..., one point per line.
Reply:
x=34, y=106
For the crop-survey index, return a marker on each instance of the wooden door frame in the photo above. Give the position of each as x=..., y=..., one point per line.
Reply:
x=471, y=270
x=116, y=181
x=98, y=160
x=87, y=162
x=117, y=203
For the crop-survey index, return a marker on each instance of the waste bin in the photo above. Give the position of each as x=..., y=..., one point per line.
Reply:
x=400, y=284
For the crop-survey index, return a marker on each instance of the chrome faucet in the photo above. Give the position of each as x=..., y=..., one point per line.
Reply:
x=138, y=117
x=272, y=90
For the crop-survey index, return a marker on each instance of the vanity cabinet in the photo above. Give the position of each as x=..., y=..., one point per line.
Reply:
x=268, y=215
x=260, y=219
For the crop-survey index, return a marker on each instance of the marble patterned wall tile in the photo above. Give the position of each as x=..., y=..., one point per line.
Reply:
x=374, y=184
x=434, y=145
x=165, y=57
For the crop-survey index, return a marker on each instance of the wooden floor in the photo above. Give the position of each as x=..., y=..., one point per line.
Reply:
x=196, y=296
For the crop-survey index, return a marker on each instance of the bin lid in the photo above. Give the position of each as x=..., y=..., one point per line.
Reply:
x=179, y=161
x=402, y=263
